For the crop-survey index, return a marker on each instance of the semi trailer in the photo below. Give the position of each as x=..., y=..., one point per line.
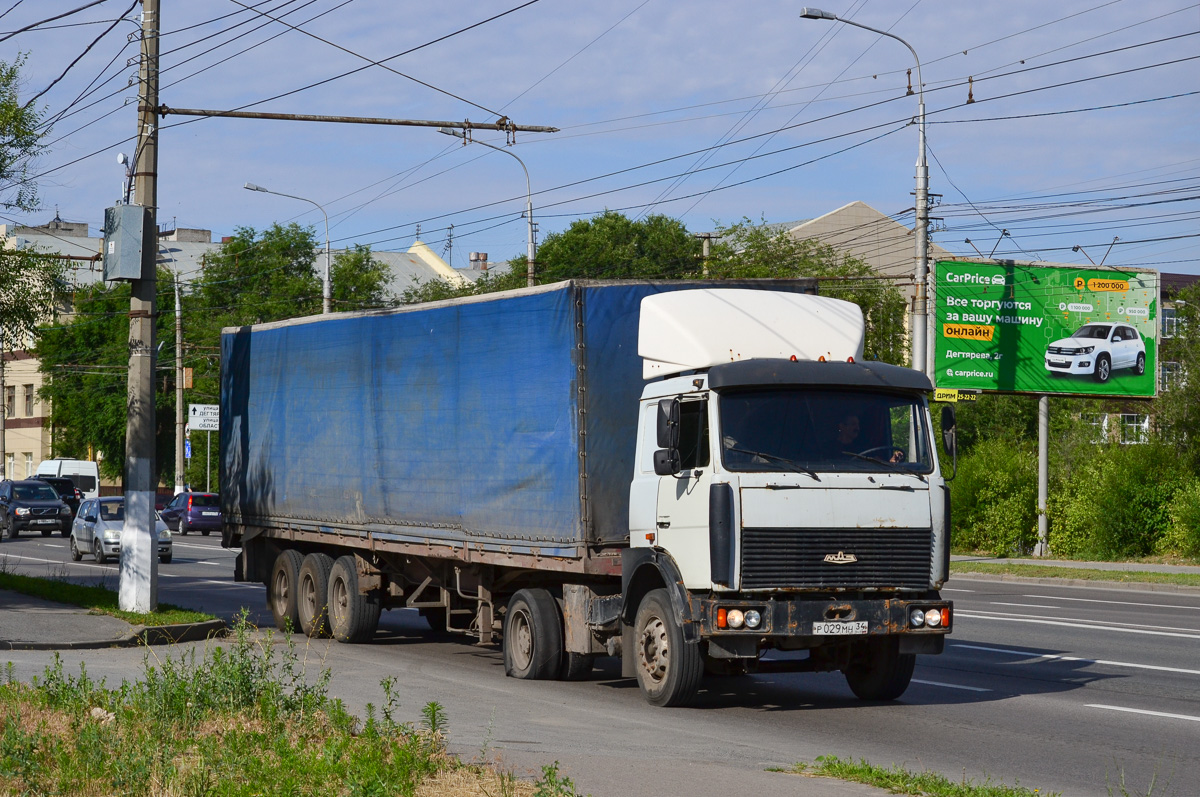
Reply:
x=694, y=477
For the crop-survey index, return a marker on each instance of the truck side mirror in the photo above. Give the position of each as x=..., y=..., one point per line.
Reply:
x=666, y=462
x=666, y=459
x=668, y=423
x=950, y=437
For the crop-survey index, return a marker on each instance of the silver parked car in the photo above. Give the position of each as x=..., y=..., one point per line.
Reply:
x=97, y=530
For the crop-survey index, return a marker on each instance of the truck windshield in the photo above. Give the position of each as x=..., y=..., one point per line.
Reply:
x=825, y=430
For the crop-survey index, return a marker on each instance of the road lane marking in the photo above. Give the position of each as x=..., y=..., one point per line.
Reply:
x=1026, y=605
x=215, y=564
x=1071, y=622
x=947, y=589
x=1059, y=657
x=1146, y=712
x=1117, y=603
x=213, y=548
x=951, y=686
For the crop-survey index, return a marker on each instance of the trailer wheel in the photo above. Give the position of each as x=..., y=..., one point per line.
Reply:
x=878, y=670
x=668, y=669
x=353, y=616
x=281, y=589
x=312, y=594
x=533, y=636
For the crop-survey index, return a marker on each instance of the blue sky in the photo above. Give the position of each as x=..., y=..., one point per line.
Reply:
x=705, y=111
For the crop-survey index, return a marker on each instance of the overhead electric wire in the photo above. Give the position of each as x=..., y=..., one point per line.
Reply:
x=63, y=15
x=79, y=57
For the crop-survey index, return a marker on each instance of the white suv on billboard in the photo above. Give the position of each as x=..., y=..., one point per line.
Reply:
x=1097, y=350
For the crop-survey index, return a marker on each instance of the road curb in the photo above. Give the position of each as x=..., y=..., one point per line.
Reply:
x=147, y=635
x=1138, y=586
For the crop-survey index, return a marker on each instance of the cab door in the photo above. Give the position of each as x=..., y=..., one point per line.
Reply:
x=682, y=520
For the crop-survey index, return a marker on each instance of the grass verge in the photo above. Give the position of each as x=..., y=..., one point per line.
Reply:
x=242, y=718
x=97, y=599
x=1082, y=573
x=899, y=780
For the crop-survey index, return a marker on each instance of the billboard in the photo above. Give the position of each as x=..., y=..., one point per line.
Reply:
x=1007, y=327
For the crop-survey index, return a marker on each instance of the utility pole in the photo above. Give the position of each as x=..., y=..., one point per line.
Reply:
x=179, y=423
x=139, y=544
x=706, y=239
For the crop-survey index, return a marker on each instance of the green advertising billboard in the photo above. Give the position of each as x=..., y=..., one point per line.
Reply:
x=1006, y=327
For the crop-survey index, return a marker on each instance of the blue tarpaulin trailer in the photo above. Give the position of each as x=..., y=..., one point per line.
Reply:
x=504, y=423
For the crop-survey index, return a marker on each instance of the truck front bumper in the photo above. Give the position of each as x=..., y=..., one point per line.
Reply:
x=825, y=619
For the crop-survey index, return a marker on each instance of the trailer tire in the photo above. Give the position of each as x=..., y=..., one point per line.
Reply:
x=353, y=616
x=878, y=670
x=533, y=636
x=668, y=669
x=312, y=595
x=282, y=590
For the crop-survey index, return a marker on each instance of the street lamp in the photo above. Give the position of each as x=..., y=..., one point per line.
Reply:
x=920, y=330
x=529, y=249
x=326, y=296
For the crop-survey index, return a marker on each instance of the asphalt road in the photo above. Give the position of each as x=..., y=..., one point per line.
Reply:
x=1061, y=688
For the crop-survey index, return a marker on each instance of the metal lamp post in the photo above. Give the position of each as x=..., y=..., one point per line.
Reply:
x=326, y=295
x=920, y=330
x=529, y=249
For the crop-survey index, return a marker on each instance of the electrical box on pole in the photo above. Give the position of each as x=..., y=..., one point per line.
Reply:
x=127, y=233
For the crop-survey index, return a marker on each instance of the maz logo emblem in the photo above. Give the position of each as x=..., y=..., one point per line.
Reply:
x=840, y=558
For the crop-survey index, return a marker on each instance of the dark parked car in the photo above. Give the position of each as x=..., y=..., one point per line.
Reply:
x=32, y=504
x=193, y=512
x=66, y=490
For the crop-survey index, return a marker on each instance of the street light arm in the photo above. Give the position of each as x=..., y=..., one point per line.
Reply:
x=326, y=295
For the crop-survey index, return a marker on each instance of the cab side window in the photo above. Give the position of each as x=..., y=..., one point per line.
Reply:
x=693, y=434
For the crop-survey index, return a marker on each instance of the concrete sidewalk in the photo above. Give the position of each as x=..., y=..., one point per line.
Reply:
x=28, y=623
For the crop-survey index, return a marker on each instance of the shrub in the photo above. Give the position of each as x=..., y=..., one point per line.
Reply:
x=994, y=499
x=1183, y=534
x=1117, y=505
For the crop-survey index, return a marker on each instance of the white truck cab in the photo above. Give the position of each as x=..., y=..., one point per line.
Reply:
x=793, y=488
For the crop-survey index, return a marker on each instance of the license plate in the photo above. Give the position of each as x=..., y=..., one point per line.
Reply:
x=41, y=522
x=839, y=629
x=210, y=514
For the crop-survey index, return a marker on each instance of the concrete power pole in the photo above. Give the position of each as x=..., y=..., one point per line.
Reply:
x=139, y=541
x=179, y=423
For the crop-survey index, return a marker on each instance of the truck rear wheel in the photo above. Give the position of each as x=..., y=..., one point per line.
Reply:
x=668, y=669
x=353, y=616
x=282, y=590
x=312, y=594
x=533, y=636
x=878, y=670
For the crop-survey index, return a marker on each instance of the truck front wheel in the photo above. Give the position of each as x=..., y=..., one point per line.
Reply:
x=668, y=669
x=312, y=595
x=353, y=616
x=533, y=636
x=878, y=670
x=281, y=590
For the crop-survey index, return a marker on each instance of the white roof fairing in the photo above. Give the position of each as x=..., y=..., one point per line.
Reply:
x=687, y=330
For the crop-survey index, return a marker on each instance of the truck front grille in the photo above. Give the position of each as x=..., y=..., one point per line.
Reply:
x=797, y=558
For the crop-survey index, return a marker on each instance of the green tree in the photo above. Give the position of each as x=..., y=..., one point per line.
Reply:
x=358, y=281
x=20, y=140
x=613, y=246
x=85, y=361
x=1177, y=408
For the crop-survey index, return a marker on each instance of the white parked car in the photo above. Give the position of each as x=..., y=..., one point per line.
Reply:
x=97, y=530
x=1097, y=350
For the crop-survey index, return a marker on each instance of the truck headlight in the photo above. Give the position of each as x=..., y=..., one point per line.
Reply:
x=933, y=618
x=736, y=618
x=753, y=618
x=917, y=618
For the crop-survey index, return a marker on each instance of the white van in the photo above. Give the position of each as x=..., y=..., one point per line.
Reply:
x=85, y=473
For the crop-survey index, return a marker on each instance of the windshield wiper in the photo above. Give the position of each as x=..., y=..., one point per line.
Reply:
x=796, y=466
x=893, y=465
